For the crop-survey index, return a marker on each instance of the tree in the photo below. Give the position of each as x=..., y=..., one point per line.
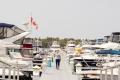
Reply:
x=77, y=41
x=63, y=42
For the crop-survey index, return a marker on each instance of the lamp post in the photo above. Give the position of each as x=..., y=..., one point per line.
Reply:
x=78, y=70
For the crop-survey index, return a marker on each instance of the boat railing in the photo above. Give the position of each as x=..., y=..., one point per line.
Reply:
x=91, y=68
x=109, y=74
x=5, y=66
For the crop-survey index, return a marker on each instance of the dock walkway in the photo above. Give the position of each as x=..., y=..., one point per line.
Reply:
x=64, y=73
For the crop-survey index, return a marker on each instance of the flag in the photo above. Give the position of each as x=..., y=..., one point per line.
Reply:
x=33, y=23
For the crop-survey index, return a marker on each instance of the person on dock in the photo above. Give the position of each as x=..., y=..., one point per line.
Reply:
x=57, y=59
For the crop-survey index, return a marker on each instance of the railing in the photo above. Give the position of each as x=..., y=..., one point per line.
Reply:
x=5, y=66
x=104, y=75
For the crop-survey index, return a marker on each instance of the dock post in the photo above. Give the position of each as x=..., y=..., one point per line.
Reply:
x=3, y=71
x=105, y=74
x=118, y=72
x=17, y=71
x=9, y=76
x=100, y=74
x=112, y=74
x=13, y=73
x=18, y=74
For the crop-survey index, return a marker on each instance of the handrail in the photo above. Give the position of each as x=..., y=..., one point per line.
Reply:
x=90, y=67
x=111, y=75
x=5, y=63
x=116, y=66
x=9, y=67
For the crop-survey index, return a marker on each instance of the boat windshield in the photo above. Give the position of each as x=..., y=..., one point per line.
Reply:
x=9, y=30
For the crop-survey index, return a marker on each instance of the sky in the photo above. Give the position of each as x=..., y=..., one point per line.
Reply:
x=64, y=18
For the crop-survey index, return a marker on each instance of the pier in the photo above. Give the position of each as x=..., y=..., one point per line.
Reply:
x=64, y=73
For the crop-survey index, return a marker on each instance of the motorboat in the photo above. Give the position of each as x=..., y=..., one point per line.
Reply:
x=9, y=34
x=87, y=59
x=70, y=47
x=55, y=46
x=89, y=62
x=7, y=42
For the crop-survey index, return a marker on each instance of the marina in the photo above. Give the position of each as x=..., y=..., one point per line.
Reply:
x=78, y=62
x=59, y=40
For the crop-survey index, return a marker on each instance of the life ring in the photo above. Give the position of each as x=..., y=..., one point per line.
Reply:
x=98, y=64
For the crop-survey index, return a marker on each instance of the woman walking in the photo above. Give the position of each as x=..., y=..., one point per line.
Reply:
x=57, y=59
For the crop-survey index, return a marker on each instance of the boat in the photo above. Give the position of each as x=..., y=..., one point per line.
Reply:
x=55, y=46
x=90, y=63
x=9, y=34
x=70, y=47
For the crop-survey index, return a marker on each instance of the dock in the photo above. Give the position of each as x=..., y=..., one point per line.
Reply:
x=64, y=73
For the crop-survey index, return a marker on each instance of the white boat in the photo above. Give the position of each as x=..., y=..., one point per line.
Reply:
x=88, y=61
x=12, y=59
x=55, y=46
x=91, y=63
x=8, y=43
x=70, y=47
x=88, y=58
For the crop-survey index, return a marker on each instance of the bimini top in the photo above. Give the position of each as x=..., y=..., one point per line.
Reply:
x=6, y=25
x=9, y=30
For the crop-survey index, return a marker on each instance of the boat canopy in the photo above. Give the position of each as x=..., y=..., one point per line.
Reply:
x=112, y=52
x=6, y=25
x=9, y=30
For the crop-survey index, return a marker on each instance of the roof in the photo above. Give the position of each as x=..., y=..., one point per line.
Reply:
x=6, y=25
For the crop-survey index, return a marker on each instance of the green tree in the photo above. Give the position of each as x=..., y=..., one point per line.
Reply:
x=77, y=41
x=63, y=42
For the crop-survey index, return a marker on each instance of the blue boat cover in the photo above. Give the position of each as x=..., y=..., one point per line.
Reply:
x=112, y=52
x=6, y=25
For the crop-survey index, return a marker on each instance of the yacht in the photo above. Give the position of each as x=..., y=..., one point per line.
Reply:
x=70, y=47
x=55, y=46
x=9, y=34
x=90, y=64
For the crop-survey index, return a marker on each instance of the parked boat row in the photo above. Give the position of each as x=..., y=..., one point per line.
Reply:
x=27, y=59
x=87, y=60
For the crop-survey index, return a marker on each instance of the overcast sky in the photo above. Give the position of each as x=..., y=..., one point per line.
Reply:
x=65, y=18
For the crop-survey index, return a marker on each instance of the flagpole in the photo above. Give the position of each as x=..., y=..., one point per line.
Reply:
x=31, y=20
